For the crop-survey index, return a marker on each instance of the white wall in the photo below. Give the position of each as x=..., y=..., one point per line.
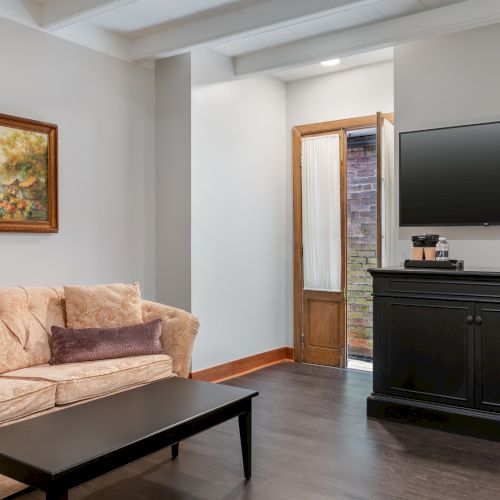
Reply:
x=451, y=80
x=238, y=212
x=104, y=108
x=173, y=181
x=348, y=94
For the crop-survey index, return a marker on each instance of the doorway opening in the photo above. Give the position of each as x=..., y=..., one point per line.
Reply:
x=362, y=244
x=343, y=184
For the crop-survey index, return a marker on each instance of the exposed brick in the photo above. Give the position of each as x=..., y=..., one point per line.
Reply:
x=367, y=253
x=354, y=267
x=361, y=245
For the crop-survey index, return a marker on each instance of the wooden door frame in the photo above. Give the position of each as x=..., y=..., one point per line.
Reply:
x=298, y=133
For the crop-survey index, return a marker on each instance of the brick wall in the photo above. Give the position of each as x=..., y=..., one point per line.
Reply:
x=361, y=242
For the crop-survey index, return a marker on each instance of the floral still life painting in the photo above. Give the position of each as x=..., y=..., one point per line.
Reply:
x=28, y=175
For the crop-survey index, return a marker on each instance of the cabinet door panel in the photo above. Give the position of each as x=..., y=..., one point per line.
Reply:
x=430, y=350
x=488, y=357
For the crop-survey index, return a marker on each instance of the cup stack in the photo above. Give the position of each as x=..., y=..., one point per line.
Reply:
x=424, y=247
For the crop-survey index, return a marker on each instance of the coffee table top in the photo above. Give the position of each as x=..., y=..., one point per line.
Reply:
x=64, y=439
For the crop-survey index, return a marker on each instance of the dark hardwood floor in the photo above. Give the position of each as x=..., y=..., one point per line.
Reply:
x=312, y=441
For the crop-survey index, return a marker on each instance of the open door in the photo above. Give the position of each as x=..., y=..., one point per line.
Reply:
x=320, y=203
x=387, y=249
x=320, y=231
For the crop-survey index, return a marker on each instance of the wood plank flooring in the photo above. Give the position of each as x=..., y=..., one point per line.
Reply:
x=312, y=441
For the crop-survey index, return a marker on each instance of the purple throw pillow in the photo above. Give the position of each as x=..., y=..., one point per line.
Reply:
x=71, y=345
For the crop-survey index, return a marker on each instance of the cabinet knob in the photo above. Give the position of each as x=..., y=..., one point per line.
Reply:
x=469, y=319
x=479, y=320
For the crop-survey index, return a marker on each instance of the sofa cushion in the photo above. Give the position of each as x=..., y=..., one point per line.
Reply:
x=101, y=306
x=19, y=398
x=26, y=315
x=90, y=379
x=71, y=345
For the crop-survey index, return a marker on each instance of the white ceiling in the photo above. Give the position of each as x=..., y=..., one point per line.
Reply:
x=147, y=16
x=280, y=37
x=358, y=14
x=349, y=62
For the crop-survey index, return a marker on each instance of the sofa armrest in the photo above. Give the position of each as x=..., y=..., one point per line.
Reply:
x=179, y=331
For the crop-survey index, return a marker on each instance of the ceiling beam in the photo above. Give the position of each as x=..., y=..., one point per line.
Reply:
x=29, y=7
x=56, y=14
x=93, y=37
x=181, y=37
x=455, y=17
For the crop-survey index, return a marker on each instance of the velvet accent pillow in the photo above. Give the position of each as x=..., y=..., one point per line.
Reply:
x=72, y=345
x=101, y=306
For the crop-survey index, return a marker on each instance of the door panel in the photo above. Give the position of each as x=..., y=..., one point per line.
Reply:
x=324, y=328
x=312, y=337
x=324, y=241
x=430, y=352
x=487, y=318
x=386, y=189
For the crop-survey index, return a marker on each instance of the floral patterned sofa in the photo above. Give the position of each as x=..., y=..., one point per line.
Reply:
x=29, y=386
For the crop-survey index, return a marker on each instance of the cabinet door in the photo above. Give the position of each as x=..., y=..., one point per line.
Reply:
x=429, y=350
x=487, y=321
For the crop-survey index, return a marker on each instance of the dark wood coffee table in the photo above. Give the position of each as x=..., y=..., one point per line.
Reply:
x=61, y=450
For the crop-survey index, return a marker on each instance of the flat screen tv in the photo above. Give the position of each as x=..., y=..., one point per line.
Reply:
x=450, y=176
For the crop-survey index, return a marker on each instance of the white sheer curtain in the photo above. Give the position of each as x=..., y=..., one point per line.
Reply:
x=321, y=237
x=389, y=228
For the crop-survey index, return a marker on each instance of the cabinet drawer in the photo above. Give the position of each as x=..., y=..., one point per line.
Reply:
x=437, y=287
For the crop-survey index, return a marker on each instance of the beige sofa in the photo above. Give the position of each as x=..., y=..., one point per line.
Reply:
x=29, y=386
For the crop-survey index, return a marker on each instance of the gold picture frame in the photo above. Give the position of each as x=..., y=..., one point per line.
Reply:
x=28, y=176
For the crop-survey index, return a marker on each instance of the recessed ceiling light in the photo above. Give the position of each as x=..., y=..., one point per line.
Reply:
x=331, y=62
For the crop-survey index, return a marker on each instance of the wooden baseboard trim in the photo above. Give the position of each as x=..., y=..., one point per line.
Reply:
x=238, y=367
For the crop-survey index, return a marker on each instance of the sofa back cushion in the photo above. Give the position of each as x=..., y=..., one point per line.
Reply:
x=103, y=306
x=26, y=317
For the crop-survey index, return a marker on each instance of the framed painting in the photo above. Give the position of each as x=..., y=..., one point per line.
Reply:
x=28, y=176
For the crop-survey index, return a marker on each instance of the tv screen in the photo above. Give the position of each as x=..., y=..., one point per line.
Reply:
x=450, y=176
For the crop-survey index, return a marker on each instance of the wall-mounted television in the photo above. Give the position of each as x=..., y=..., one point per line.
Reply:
x=450, y=176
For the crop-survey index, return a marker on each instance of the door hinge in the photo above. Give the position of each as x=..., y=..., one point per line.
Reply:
x=302, y=340
x=301, y=250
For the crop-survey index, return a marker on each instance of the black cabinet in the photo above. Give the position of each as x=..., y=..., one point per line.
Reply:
x=429, y=350
x=437, y=349
x=487, y=320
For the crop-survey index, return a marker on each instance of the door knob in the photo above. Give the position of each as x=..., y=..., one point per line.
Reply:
x=479, y=320
x=469, y=319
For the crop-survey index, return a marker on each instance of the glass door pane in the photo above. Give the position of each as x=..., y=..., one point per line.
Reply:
x=321, y=213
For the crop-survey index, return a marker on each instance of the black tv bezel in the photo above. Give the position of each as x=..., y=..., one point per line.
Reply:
x=440, y=224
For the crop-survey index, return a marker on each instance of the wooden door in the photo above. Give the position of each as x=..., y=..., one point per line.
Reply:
x=323, y=308
x=487, y=336
x=386, y=210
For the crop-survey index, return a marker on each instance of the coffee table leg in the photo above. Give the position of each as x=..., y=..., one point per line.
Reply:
x=55, y=494
x=245, y=421
x=175, y=450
